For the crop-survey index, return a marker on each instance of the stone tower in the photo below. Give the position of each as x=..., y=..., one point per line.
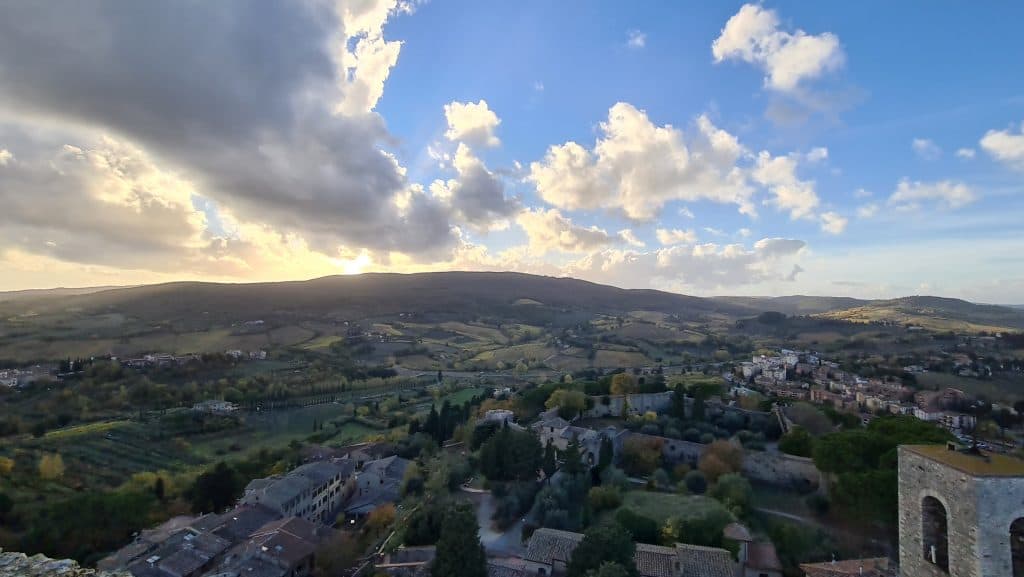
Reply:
x=961, y=513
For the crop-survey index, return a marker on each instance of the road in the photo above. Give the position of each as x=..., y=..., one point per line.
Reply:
x=507, y=543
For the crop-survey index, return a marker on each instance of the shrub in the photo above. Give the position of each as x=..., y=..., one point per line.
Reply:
x=604, y=498
x=696, y=482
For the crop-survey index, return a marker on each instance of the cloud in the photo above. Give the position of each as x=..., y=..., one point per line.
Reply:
x=817, y=154
x=868, y=210
x=471, y=123
x=637, y=167
x=684, y=211
x=265, y=112
x=1005, y=146
x=636, y=39
x=797, y=269
x=926, y=149
x=538, y=86
x=744, y=232
x=685, y=268
x=790, y=192
x=833, y=222
x=862, y=193
x=548, y=230
x=950, y=194
x=477, y=196
x=669, y=237
x=754, y=35
x=5, y=157
x=965, y=153
x=631, y=239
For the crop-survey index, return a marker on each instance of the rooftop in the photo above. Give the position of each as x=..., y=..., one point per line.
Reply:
x=873, y=567
x=978, y=465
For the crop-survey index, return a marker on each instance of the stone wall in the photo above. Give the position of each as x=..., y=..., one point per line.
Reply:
x=639, y=404
x=775, y=468
x=979, y=511
x=21, y=565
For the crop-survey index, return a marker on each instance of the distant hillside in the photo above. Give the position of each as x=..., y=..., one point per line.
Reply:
x=795, y=304
x=935, y=313
x=481, y=293
x=54, y=292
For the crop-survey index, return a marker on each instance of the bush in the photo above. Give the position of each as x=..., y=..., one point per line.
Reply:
x=818, y=503
x=643, y=529
x=604, y=498
x=797, y=442
x=696, y=482
x=735, y=492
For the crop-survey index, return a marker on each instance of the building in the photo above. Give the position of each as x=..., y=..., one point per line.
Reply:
x=550, y=550
x=961, y=513
x=407, y=561
x=314, y=491
x=378, y=483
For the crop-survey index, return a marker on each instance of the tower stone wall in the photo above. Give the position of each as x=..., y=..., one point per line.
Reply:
x=980, y=505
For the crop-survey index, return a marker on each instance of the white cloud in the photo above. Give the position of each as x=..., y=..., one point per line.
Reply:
x=951, y=194
x=473, y=123
x=5, y=156
x=790, y=192
x=817, y=154
x=638, y=167
x=684, y=211
x=926, y=149
x=1005, y=146
x=548, y=230
x=477, y=196
x=630, y=238
x=965, y=153
x=636, y=39
x=862, y=193
x=538, y=86
x=744, y=232
x=868, y=210
x=714, y=231
x=833, y=222
x=668, y=237
x=684, y=268
x=753, y=35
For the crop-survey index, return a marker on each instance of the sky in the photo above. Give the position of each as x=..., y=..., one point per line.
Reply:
x=870, y=149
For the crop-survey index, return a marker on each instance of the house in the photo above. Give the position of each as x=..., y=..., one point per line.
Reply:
x=282, y=548
x=314, y=491
x=215, y=407
x=755, y=559
x=550, y=550
x=186, y=553
x=379, y=483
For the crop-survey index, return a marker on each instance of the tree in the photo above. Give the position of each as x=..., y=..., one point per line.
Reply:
x=640, y=455
x=569, y=403
x=6, y=466
x=733, y=491
x=511, y=455
x=643, y=529
x=679, y=402
x=604, y=498
x=548, y=464
x=459, y=552
x=609, y=569
x=623, y=384
x=6, y=504
x=605, y=454
x=215, y=489
x=719, y=458
x=797, y=442
x=572, y=459
x=696, y=482
x=51, y=466
x=380, y=518
x=609, y=543
x=699, y=526
x=158, y=488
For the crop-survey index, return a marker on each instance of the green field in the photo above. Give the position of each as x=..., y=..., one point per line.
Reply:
x=663, y=506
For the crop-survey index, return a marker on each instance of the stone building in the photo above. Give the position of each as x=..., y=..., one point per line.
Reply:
x=961, y=513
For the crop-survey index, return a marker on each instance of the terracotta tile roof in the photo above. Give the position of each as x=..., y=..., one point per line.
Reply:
x=548, y=545
x=656, y=561
x=872, y=567
x=699, y=561
x=763, y=556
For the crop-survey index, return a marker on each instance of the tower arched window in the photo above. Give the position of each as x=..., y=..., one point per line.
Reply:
x=935, y=532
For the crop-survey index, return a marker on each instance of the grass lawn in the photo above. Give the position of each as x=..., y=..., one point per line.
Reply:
x=662, y=506
x=613, y=359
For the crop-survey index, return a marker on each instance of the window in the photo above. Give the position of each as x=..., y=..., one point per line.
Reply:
x=935, y=532
x=1017, y=546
